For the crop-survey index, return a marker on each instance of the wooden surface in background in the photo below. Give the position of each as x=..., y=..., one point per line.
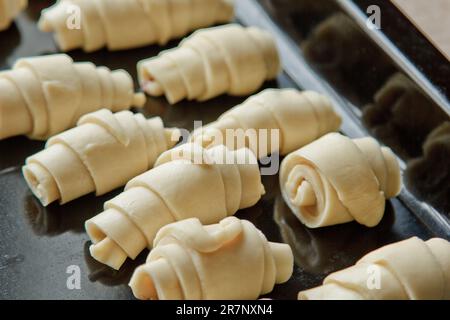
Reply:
x=431, y=17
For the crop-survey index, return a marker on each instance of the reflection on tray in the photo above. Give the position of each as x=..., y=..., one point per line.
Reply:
x=402, y=117
x=339, y=50
x=108, y=276
x=428, y=176
x=56, y=219
x=271, y=184
x=324, y=250
x=298, y=16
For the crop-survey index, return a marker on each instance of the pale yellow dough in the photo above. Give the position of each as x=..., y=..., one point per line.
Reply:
x=126, y=24
x=43, y=96
x=231, y=260
x=9, y=9
x=226, y=59
x=297, y=117
x=101, y=154
x=336, y=180
x=407, y=270
x=187, y=182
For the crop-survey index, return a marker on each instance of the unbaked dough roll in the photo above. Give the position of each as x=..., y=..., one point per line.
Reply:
x=186, y=182
x=43, y=96
x=336, y=180
x=407, y=270
x=9, y=9
x=226, y=59
x=298, y=117
x=101, y=154
x=231, y=260
x=125, y=24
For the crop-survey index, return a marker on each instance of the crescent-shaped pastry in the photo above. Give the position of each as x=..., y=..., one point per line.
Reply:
x=43, y=96
x=9, y=9
x=226, y=59
x=101, y=154
x=407, y=270
x=187, y=182
x=125, y=24
x=336, y=180
x=298, y=118
x=231, y=260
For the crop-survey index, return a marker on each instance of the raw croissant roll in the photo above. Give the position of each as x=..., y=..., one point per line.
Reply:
x=227, y=59
x=9, y=9
x=300, y=118
x=126, y=24
x=407, y=270
x=187, y=182
x=102, y=153
x=230, y=260
x=336, y=180
x=43, y=96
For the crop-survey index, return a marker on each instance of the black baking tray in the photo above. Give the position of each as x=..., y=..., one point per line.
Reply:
x=38, y=245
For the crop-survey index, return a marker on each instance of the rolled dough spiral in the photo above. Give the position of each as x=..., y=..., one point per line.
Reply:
x=230, y=260
x=299, y=117
x=126, y=24
x=102, y=153
x=43, y=96
x=336, y=180
x=9, y=9
x=226, y=59
x=179, y=187
x=407, y=270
